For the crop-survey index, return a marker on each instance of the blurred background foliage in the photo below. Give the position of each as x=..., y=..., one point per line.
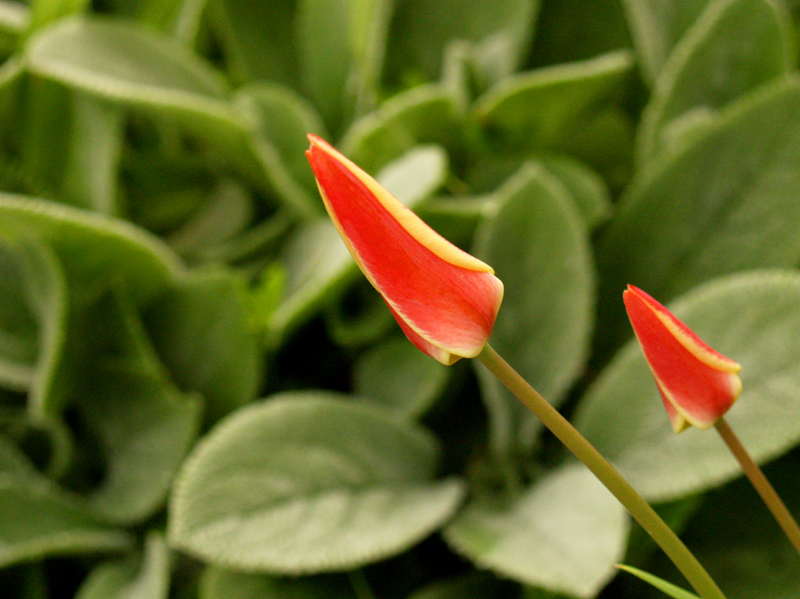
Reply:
x=200, y=396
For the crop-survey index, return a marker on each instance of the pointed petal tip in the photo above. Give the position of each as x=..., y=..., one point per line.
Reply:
x=686, y=336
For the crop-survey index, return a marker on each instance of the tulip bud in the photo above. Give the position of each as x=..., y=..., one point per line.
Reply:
x=444, y=299
x=697, y=384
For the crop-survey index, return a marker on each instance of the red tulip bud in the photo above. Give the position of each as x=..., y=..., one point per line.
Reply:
x=444, y=299
x=697, y=384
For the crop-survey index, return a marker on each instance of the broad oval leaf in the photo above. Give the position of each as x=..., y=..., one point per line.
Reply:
x=120, y=60
x=725, y=202
x=258, y=44
x=90, y=168
x=94, y=249
x=340, y=49
x=588, y=189
x=538, y=245
x=733, y=47
x=284, y=118
x=500, y=33
x=751, y=317
x=306, y=483
x=426, y=114
x=143, y=425
x=535, y=108
x=132, y=65
x=39, y=522
x=564, y=534
x=88, y=252
x=34, y=318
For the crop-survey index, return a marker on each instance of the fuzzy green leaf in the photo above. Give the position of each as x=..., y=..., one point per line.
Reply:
x=340, y=48
x=564, y=534
x=133, y=66
x=258, y=39
x=306, y=483
x=586, y=187
x=538, y=245
x=95, y=146
x=397, y=375
x=284, y=119
x=714, y=64
x=32, y=357
x=143, y=424
x=94, y=249
x=500, y=34
x=656, y=27
x=76, y=251
x=724, y=203
x=535, y=109
x=427, y=114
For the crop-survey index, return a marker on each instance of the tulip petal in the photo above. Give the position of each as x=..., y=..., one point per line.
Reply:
x=678, y=422
x=445, y=300
x=698, y=384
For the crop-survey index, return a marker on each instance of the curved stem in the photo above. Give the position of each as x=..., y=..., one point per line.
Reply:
x=641, y=511
x=767, y=492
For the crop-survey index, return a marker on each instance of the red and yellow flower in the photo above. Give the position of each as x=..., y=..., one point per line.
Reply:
x=444, y=299
x=697, y=384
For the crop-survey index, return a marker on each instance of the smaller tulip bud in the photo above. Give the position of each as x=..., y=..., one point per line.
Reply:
x=697, y=384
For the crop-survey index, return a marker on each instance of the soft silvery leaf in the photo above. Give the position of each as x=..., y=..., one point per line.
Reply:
x=563, y=534
x=305, y=483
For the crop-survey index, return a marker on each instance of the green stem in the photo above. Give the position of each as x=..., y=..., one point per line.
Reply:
x=760, y=483
x=641, y=511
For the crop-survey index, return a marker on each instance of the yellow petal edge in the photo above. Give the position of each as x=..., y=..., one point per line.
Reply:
x=717, y=362
x=416, y=227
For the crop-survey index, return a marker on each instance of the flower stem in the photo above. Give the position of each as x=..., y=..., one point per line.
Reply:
x=760, y=483
x=641, y=511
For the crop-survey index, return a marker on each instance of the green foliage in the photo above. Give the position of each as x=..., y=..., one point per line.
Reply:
x=563, y=533
x=307, y=483
x=202, y=398
x=543, y=329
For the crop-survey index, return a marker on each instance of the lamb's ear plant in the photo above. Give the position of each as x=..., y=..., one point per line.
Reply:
x=446, y=303
x=202, y=397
